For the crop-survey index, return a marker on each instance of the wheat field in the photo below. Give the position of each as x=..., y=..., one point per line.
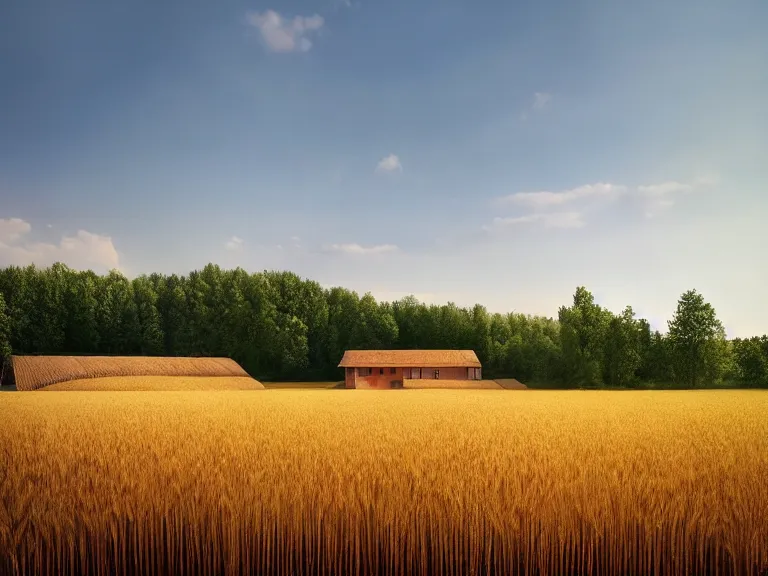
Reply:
x=34, y=372
x=429, y=383
x=301, y=385
x=156, y=383
x=408, y=482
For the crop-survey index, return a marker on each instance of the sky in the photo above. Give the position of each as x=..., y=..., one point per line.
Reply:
x=499, y=152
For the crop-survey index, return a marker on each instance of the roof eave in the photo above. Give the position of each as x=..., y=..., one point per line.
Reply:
x=411, y=365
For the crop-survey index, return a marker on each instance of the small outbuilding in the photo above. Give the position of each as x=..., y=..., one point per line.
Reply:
x=390, y=368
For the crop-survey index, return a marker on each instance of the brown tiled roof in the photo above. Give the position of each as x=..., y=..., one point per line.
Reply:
x=409, y=358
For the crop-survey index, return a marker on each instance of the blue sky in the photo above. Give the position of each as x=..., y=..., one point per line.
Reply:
x=496, y=152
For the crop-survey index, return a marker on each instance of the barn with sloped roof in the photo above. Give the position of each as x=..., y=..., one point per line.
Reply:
x=393, y=368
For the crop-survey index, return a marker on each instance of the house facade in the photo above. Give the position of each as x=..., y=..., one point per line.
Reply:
x=390, y=368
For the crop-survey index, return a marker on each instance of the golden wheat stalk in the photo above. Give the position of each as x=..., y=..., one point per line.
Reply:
x=420, y=482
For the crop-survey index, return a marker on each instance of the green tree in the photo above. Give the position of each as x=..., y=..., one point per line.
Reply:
x=407, y=313
x=82, y=327
x=696, y=339
x=305, y=300
x=543, y=352
x=480, y=330
x=174, y=315
x=343, y=318
x=376, y=327
x=5, y=338
x=199, y=296
x=292, y=346
x=150, y=331
x=47, y=313
x=583, y=329
x=276, y=324
x=622, y=349
x=499, y=332
x=751, y=360
x=119, y=329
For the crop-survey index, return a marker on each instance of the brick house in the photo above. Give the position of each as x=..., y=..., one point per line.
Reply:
x=388, y=368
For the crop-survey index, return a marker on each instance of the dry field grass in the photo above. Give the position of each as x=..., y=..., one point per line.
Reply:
x=300, y=385
x=416, y=481
x=33, y=372
x=427, y=383
x=511, y=384
x=157, y=383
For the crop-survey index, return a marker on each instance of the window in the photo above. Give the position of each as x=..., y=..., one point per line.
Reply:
x=364, y=371
x=393, y=370
x=381, y=371
x=437, y=374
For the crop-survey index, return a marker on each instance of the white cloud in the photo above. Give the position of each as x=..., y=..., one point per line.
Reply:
x=653, y=197
x=545, y=199
x=84, y=250
x=549, y=220
x=659, y=197
x=282, y=34
x=664, y=189
x=358, y=249
x=234, y=244
x=541, y=99
x=13, y=228
x=389, y=163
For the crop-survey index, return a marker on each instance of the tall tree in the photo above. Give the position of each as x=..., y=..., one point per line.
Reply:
x=543, y=350
x=119, y=329
x=583, y=331
x=696, y=337
x=292, y=346
x=200, y=295
x=407, y=313
x=174, y=315
x=48, y=313
x=376, y=326
x=481, y=333
x=277, y=325
x=622, y=349
x=150, y=332
x=751, y=359
x=5, y=338
x=82, y=327
x=343, y=319
x=305, y=300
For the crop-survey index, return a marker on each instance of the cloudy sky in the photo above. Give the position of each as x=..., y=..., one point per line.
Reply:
x=501, y=152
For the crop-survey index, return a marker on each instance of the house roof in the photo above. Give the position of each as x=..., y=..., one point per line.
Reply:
x=409, y=358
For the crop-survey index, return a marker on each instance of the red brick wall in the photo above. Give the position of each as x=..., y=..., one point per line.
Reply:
x=459, y=373
x=378, y=380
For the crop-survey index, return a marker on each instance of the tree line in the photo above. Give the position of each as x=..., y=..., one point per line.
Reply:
x=280, y=326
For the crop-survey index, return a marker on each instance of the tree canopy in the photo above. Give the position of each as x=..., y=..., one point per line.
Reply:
x=697, y=341
x=280, y=326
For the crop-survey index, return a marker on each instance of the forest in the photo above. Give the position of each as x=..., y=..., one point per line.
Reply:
x=279, y=326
